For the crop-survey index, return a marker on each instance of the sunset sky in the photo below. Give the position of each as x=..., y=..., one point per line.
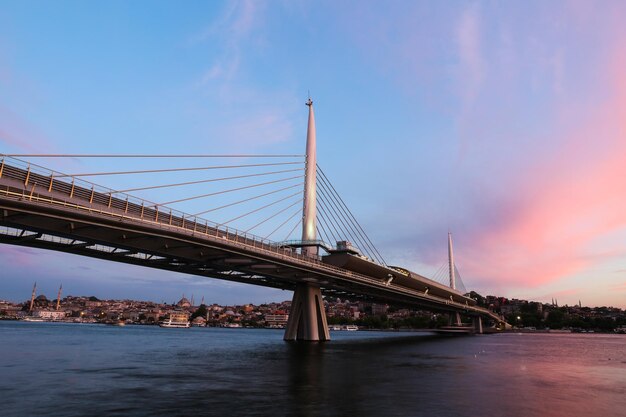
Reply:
x=503, y=122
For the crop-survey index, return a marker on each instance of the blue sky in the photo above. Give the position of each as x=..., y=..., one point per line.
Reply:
x=501, y=122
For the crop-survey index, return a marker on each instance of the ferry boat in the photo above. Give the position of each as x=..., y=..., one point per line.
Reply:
x=347, y=327
x=32, y=318
x=176, y=320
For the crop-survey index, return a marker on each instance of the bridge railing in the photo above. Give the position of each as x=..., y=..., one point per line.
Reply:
x=49, y=186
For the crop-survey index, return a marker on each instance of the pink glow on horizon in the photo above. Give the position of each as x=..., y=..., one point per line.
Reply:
x=568, y=201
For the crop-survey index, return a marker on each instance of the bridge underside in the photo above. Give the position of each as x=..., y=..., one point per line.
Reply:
x=134, y=243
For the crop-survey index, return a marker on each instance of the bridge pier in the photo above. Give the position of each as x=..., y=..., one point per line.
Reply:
x=478, y=324
x=307, y=318
x=454, y=319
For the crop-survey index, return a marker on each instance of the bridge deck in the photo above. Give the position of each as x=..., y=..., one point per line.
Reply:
x=44, y=211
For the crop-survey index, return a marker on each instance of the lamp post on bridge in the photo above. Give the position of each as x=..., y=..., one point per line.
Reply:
x=307, y=318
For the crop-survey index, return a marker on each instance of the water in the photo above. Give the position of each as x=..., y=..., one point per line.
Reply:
x=86, y=370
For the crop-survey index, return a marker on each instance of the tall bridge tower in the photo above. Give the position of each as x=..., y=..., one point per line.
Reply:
x=451, y=262
x=307, y=318
x=455, y=318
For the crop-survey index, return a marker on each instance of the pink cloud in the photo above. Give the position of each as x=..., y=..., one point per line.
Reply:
x=20, y=135
x=569, y=200
x=17, y=256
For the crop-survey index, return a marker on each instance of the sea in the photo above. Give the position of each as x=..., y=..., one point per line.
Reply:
x=58, y=369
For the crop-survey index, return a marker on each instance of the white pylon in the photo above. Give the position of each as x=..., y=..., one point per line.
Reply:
x=309, y=210
x=451, y=262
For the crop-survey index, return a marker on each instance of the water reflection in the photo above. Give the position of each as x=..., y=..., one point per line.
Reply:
x=143, y=371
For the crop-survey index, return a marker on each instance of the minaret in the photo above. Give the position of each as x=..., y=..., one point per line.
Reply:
x=32, y=298
x=192, y=300
x=451, y=262
x=59, y=297
x=309, y=211
x=202, y=302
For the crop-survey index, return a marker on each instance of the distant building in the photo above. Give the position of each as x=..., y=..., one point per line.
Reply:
x=49, y=314
x=179, y=316
x=276, y=320
x=379, y=309
x=183, y=303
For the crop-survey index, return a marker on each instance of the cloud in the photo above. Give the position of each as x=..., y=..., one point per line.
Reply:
x=249, y=116
x=17, y=256
x=471, y=71
x=568, y=201
x=20, y=135
x=237, y=26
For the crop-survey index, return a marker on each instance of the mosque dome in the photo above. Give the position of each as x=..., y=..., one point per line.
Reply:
x=183, y=303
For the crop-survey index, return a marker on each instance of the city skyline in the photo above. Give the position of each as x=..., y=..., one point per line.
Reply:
x=502, y=124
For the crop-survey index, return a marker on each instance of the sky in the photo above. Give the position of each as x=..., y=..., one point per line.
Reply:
x=501, y=122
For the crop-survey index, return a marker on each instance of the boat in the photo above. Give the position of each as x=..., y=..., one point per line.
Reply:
x=176, y=320
x=351, y=328
x=32, y=318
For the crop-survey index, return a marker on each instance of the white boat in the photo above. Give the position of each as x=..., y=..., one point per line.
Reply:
x=176, y=320
x=176, y=324
x=352, y=328
x=31, y=318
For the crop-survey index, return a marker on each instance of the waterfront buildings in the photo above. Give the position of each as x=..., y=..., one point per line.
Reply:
x=519, y=313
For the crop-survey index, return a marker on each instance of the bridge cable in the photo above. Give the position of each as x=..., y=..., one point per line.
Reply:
x=351, y=234
x=332, y=217
x=24, y=155
x=283, y=223
x=347, y=235
x=353, y=237
x=323, y=234
x=229, y=191
x=441, y=275
x=207, y=180
x=275, y=214
x=347, y=224
x=258, y=209
x=459, y=282
x=321, y=230
x=325, y=178
x=292, y=230
x=248, y=199
x=334, y=214
x=321, y=212
x=152, y=171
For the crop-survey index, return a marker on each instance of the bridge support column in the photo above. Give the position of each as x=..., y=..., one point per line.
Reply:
x=455, y=319
x=478, y=324
x=307, y=318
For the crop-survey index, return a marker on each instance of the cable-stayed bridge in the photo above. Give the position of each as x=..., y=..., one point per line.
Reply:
x=47, y=209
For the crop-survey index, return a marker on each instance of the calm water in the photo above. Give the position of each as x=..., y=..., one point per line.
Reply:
x=89, y=370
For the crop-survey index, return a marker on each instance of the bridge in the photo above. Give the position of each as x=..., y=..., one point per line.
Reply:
x=41, y=208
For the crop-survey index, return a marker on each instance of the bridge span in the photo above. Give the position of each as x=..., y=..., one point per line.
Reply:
x=42, y=209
